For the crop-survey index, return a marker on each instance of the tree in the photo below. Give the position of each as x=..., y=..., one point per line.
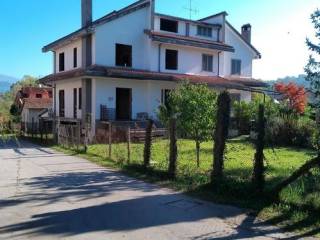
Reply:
x=194, y=105
x=220, y=137
x=313, y=67
x=293, y=96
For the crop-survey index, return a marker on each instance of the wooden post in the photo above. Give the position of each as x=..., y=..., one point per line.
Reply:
x=173, y=148
x=110, y=140
x=258, y=178
x=129, y=144
x=46, y=130
x=147, y=144
x=32, y=128
x=41, y=129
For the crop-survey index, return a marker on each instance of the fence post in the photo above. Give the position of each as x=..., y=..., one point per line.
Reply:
x=147, y=144
x=258, y=168
x=46, y=130
x=129, y=144
x=32, y=128
x=41, y=129
x=173, y=148
x=110, y=140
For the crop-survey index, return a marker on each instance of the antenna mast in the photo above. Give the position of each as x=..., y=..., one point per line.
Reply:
x=190, y=9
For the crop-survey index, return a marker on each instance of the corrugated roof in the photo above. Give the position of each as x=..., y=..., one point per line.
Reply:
x=37, y=103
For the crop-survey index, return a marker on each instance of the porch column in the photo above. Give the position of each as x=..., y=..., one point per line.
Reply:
x=86, y=100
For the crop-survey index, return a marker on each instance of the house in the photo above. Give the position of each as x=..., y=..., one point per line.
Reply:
x=121, y=66
x=31, y=102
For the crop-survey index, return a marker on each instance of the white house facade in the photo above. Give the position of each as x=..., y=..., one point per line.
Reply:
x=121, y=66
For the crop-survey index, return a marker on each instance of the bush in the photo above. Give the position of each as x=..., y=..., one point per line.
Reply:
x=296, y=132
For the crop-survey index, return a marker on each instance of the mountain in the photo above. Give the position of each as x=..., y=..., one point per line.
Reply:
x=6, y=82
x=299, y=80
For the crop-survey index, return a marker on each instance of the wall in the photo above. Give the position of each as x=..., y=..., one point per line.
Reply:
x=189, y=59
x=68, y=86
x=146, y=95
x=242, y=52
x=124, y=30
x=68, y=54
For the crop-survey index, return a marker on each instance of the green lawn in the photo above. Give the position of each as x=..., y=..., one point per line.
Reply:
x=299, y=208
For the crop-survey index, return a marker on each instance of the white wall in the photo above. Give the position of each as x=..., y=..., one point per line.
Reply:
x=146, y=95
x=68, y=86
x=127, y=30
x=181, y=26
x=68, y=55
x=242, y=52
x=189, y=59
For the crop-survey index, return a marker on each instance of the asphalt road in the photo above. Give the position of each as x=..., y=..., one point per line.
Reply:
x=49, y=195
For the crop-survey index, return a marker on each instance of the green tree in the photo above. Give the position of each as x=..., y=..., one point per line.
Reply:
x=7, y=99
x=195, y=106
x=313, y=67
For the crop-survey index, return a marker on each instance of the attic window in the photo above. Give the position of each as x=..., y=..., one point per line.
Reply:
x=204, y=31
x=168, y=25
x=38, y=95
x=61, y=62
x=123, y=55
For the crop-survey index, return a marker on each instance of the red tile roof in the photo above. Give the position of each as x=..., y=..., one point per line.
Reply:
x=129, y=73
x=37, y=103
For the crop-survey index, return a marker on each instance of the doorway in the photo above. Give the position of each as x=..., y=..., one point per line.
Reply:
x=123, y=103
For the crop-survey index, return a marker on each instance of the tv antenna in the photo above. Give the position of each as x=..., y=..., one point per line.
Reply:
x=191, y=9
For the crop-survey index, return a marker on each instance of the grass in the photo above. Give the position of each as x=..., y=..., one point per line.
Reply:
x=299, y=207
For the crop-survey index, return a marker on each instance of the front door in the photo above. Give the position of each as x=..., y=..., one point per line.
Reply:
x=123, y=103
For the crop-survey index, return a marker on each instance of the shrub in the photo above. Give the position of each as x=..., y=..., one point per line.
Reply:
x=296, y=132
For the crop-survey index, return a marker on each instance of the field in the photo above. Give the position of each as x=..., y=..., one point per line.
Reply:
x=299, y=207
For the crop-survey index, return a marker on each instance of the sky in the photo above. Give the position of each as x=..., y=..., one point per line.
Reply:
x=279, y=30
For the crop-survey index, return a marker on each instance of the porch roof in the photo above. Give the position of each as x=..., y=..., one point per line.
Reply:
x=188, y=41
x=129, y=73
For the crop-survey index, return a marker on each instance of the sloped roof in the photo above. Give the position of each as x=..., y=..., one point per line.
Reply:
x=188, y=41
x=37, y=103
x=107, y=18
x=129, y=73
x=243, y=39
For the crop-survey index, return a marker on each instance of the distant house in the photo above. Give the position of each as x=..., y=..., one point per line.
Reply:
x=122, y=66
x=31, y=102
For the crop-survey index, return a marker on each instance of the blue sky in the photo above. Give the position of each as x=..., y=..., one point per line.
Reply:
x=279, y=29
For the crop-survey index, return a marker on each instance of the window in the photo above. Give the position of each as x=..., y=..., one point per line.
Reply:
x=50, y=94
x=80, y=98
x=168, y=25
x=171, y=59
x=61, y=62
x=207, y=63
x=235, y=67
x=61, y=103
x=75, y=103
x=75, y=57
x=123, y=55
x=204, y=31
x=38, y=95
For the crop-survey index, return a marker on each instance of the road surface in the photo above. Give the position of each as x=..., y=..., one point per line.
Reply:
x=49, y=195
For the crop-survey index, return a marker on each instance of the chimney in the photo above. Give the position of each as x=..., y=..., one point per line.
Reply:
x=246, y=32
x=86, y=13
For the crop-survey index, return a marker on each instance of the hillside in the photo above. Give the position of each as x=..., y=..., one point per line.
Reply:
x=6, y=82
x=299, y=80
